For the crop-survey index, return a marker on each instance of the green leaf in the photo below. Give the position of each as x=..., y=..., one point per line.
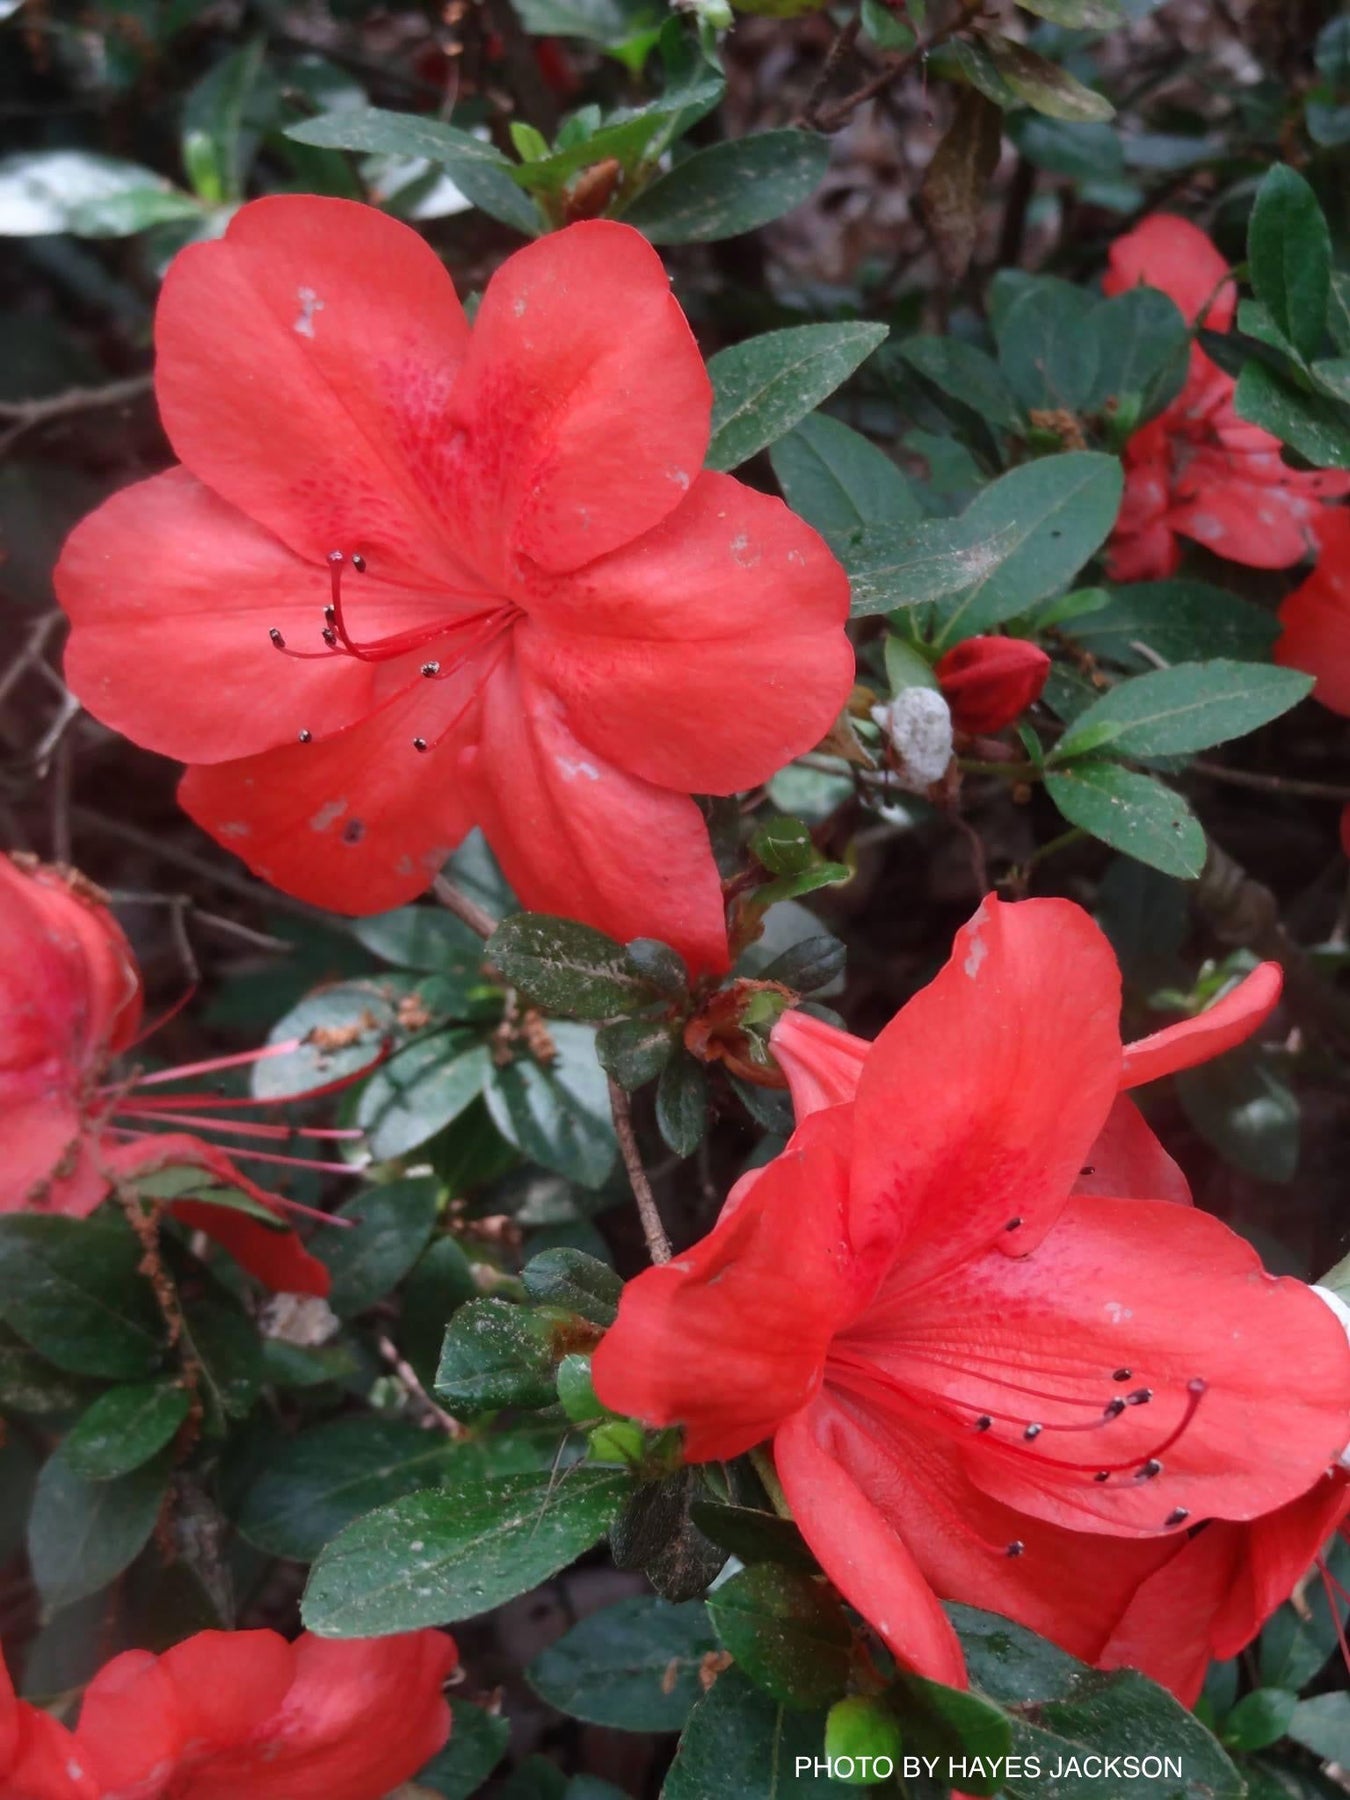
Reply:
x=1047, y=347
x=558, y=1114
x=1079, y=15
x=730, y=188
x=1338, y=311
x=1314, y=425
x=1322, y=1725
x=1087, y=153
x=1178, y=621
x=1260, y=1719
x=440, y=1282
x=579, y=1283
x=634, y=1051
x=18, y=1478
x=390, y=1230
x=787, y=1631
x=753, y=1536
x=125, y=1428
x=967, y=375
x=223, y=118
x=1133, y=813
x=82, y=1534
x=481, y=173
x=30, y=1384
x=435, y=1558
x=227, y=1346
x=337, y=1032
x=784, y=847
x=763, y=387
x=1297, y=1641
x=682, y=1103
x=314, y=1486
x=633, y=1666
x=1044, y=85
x=740, y=1742
x=496, y=1354
x=1289, y=254
x=47, y=191
x=1245, y=1108
x=1143, y=347
x=478, y=1741
x=839, y=481
x=1171, y=711
x=566, y=967
x=420, y=1091
x=72, y=1288
x=811, y=963
x=609, y=23
x=424, y=937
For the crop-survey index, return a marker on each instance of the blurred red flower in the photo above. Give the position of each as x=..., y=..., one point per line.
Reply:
x=1198, y=470
x=990, y=681
x=974, y=1349
x=527, y=577
x=39, y=1759
x=70, y=1128
x=1316, y=620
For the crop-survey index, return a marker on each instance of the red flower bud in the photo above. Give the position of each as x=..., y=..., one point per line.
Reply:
x=989, y=681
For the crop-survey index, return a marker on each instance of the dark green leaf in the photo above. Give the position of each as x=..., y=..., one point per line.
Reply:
x=1322, y=1725
x=1245, y=1108
x=1044, y=85
x=1171, y=711
x=634, y=1051
x=315, y=1485
x=1314, y=425
x=18, y=1478
x=566, y=967
x=30, y=1384
x=1048, y=348
x=424, y=937
x=435, y=1558
x=440, y=1281
x=1338, y=311
x=839, y=481
x=1289, y=254
x=1259, y=1719
x=478, y=1741
x=763, y=387
x=229, y=1352
x=753, y=1536
x=730, y=188
x=1298, y=1640
x=1178, y=621
x=740, y=1742
x=1131, y=812
x=812, y=963
x=660, y=966
x=682, y=1103
x=1143, y=347
x=72, y=1288
x=496, y=1354
x=336, y=1032
x=951, y=1723
x=1080, y=15
x=968, y=376
x=784, y=847
x=558, y=1114
x=634, y=1666
x=787, y=1631
x=1082, y=152
x=579, y=1283
x=82, y=1534
x=124, y=1428
x=391, y=1226
x=223, y=119
x=421, y=1090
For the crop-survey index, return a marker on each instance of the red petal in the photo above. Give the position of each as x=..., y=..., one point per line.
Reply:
x=1261, y=527
x=584, y=400
x=1172, y=254
x=1229, y=1022
x=578, y=837
x=708, y=653
x=276, y=1258
x=821, y=1062
x=1316, y=616
x=304, y=365
x=861, y=1552
x=171, y=591
x=990, y=681
x=1128, y=1159
x=981, y=1100
x=39, y=1759
x=41, y=1134
x=358, y=823
x=1167, y=1292
x=728, y=1340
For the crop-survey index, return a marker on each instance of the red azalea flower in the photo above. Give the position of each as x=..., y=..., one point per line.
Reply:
x=527, y=578
x=970, y=1365
x=70, y=994
x=990, y=681
x=39, y=1759
x=228, y=1715
x=1198, y=470
x=1316, y=620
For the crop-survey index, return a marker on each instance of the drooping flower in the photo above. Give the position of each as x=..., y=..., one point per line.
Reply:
x=72, y=1128
x=226, y=1715
x=39, y=1759
x=976, y=1345
x=990, y=681
x=1316, y=620
x=1198, y=470
x=412, y=576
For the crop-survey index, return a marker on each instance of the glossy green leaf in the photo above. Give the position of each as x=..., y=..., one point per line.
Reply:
x=1289, y=254
x=1315, y=425
x=839, y=481
x=1177, y=622
x=740, y=1742
x=634, y=1051
x=558, y=1113
x=1143, y=347
x=967, y=375
x=47, y=191
x=390, y=1229
x=763, y=387
x=1047, y=347
x=682, y=1103
x=577, y=1282
x=730, y=188
x=72, y=1288
x=1131, y=812
x=633, y=1666
x=496, y=1354
x=423, y=937
x=1079, y=15
x=1322, y=1725
x=228, y=1351
x=82, y=1534
x=434, y=1558
x=478, y=1741
x=1043, y=84
x=1171, y=711
x=1244, y=1107
x=125, y=1428
x=1259, y=1719
x=567, y=967
x=421, y=1090
x=787, y=1631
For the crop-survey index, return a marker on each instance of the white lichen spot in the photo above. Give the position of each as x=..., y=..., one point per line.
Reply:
x=975, y=955
x=310, y=304
x=236, y=828
x=744, y=552
x=518, y=306
x=569, y=768
x=680, y=477
x=1207, y=528
x=416, y=1546
x=796, y=558
x=918, y=725
x=328, y=815
x=1117, y=1313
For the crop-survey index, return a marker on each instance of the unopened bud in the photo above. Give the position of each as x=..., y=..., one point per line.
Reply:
x=861, y=1732
x=918, y=726
x=990, y=681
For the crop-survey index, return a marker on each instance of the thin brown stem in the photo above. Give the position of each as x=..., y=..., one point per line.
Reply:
x=1273, y=784
x=436, y=1415
x=469, y=912
x=839, y=49
x=658, y=1244
x=835, y=117
x=26, y=415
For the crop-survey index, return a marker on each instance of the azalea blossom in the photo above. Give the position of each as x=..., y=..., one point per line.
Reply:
x=990, y=681
x=73, y=1126
x=413, y=576
x=996, y=1360
x=39, y=1759
x=1198, y=470
x=1316, y=620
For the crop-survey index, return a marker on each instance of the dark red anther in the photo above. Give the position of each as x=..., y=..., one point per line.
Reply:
x=306, y=736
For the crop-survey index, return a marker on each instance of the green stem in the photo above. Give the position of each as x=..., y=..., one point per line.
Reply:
x=772, y=1486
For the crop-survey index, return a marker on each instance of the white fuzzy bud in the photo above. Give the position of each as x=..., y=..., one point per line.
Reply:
x=1342, y=1312
x=918, y=726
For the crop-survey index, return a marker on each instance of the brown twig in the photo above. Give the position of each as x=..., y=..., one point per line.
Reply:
x=658, y=1244
x=838, y=50
x=27, y=415
x=469, y=912
x=437, y=1415
x=1273, y=784
x=838, y=115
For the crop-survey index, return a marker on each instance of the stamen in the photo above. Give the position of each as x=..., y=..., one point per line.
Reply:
x=240, y=1127
x=306, y=737
x=420, y=744
x=1015, y=1548
x=1140, y=1397
x=1033, y=1431
x=1122, y=1374
x=1013, y=1225
x=983, y=1422
x=276, y=637
x=213, y=1063
x=1177, y=1516
x=431, y=668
